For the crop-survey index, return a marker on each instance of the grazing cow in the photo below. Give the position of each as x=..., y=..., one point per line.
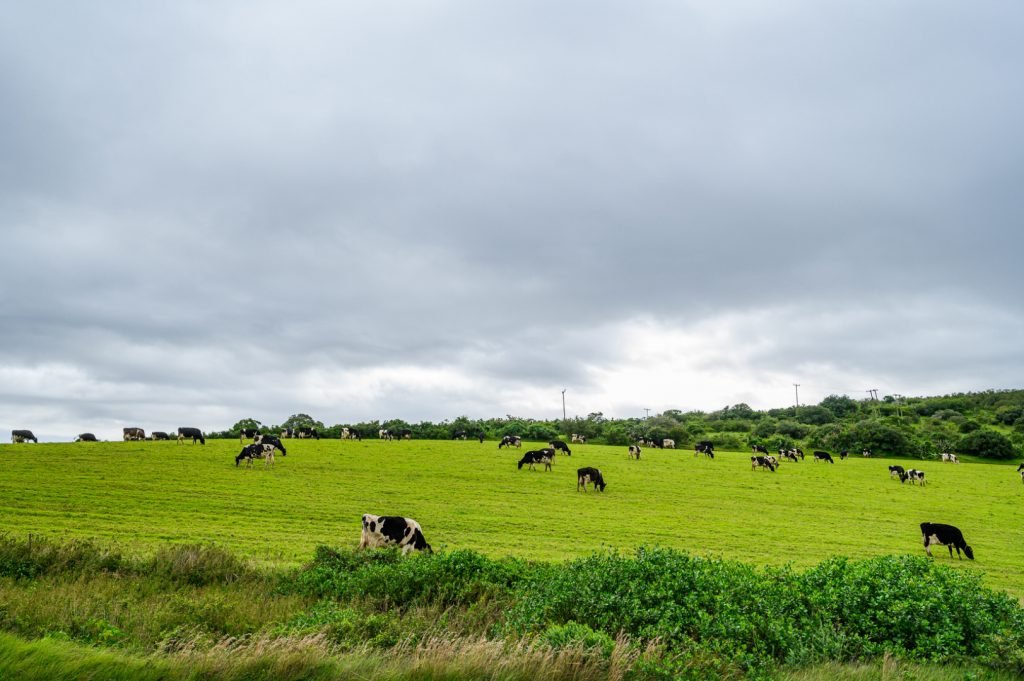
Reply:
x=704, y=447
x=194, y=433
x=459, y=435
x=866, y=453
x=789, y=454
x=762, y=462
x=945, y=535
x=86, y=437
x=511, y=441
x=589, y=475
x=544, y=456
x=760, y=449
x=247, y=434
x=914, y=476
x=257, y=451
x=559, y=445
x=381, y=530
x=159, y=435
x=949, y=458
x=823, y=456
x=287, y=432
x=668, y=443
x=134, y=434
x=270, y=440
x=634, y=452
x=843, y=454
x=480, y=436
x=383, y=434
x=799, y=452
x=307, y=432
x=1020, y=469
x=575, y=438
x=896, y=471
x=775, y=462
x=19, y=436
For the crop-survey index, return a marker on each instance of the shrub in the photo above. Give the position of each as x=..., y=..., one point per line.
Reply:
x=987, y=444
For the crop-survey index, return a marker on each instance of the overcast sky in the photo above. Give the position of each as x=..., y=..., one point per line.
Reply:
x=424, y=209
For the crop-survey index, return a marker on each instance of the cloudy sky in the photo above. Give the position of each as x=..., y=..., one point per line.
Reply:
x=424, y=209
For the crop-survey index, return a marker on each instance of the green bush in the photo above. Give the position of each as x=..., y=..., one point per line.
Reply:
x=575, y=635
x=987, y=444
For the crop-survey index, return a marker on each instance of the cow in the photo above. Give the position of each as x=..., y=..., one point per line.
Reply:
x=384, y=434
x=762, y=462
x=668, y=443
x=19, y=436
x=843, y=454
x=589, y=475
x=86, y=437
x=134, y=434
x=558, y=445
x=945, y=535
x=799, y=452
x=480, y=436
x=1020, y=469
x=247, y=434
x=704, y=447
x=159, y=435
x=823, y=456
x=194, y=433
x=381, y=530
x=760, y=449
x=459, y=435
x=511, y=441
x=287, y=432
x=270, y=440
x=307, y=432
x=257, y=451
x=866, y=453
x=914, y=476
x=544, y=456
x=897, y=472
x=575, y=438
x=789, y=454
x=949, y=458
x=634, y=452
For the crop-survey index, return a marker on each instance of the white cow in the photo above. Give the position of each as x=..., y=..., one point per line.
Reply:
x=381, y=530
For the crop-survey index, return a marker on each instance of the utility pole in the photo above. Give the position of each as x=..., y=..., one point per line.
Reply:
x=565, y=421
x=899, y=406
x=874, y=397
x=648, y=414
x=796, y=388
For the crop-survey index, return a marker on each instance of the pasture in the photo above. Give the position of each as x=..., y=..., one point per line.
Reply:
x=142, y=495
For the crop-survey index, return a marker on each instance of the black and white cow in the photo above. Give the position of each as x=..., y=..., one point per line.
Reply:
x=159, y=435
x=668, y=443
x=589, y=475
x=544, y=456
x=945, y=535
x=381, y=530
x=134, y=434
x=19, y=436
x=307, y=432
x=762, y=462
x=351, y=434
x=760, y=449
x=86, y=437
x=789, y=454
x=866, y=453
x=252, y=452
x=634, y=452
x=558, y=445
x=270, y=440
x=823, y=456
x=704, y=447
x=287, y=432
x=897, y=472
x=1020, y=469
x=194, y=433
x=247, y=434
x=843, y=454
x=799, y=452
x=404, y=434
x=949, y=458
x=459, y=435
x=511, y=441
x=384, y=434
x=914, y=476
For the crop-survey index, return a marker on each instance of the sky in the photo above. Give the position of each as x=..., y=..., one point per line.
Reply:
x=435, y=208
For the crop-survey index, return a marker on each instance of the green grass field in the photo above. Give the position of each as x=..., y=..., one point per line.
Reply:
x=467, y=495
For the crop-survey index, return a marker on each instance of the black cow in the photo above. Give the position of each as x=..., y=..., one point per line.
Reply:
x=510, y=441
x=86, y=437
x=589, y=475
x=843, y=454
x=762, y=462
x=760, y=449
x=194, y=433
x=270, y=440
x=134, y=434
x=256, y=451
x=19, y=436
x=480, y=436
x=307, y=432
x=159, y=435
x=897, y=472
x=247, y=434
x=558, y=445
x=634, y=452
x=946, y=535
x=823, y=456
x=704, y=447
x=381, y=530
x=544, y=456
x=459, y=435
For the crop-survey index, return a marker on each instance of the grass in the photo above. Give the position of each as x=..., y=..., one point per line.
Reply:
x=142, y=495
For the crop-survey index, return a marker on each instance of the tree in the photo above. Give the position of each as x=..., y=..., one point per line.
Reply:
x=987, y=444
x=815, y=416
x=245, y=424
x=302, y=421
x=841, y=406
